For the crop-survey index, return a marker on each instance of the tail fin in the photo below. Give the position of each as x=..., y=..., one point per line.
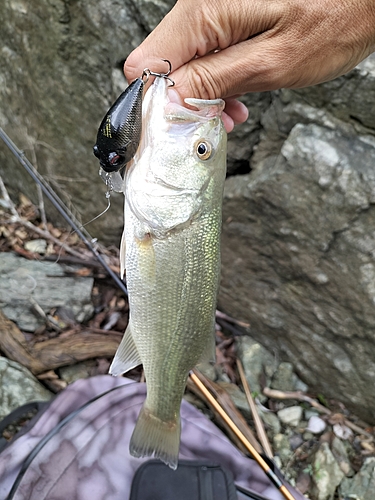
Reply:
x=153, y=436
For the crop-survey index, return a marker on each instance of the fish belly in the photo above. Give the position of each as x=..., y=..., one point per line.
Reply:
x=172, y=285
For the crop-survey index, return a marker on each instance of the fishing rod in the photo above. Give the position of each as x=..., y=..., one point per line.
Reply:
x=60, y=207
x=193, y=374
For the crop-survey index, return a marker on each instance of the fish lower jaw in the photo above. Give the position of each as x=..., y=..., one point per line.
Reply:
x=155, y=437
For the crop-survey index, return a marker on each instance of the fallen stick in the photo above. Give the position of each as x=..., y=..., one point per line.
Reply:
x=257, y=420
x=219, y=394
x=51, y=354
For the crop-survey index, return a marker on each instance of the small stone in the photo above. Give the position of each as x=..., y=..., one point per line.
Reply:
x=208, y=370
x=339, y=451
x=342, y=431
x=308, y=435
x=237, y=396
x=295, y=441
x=310, y=413
x=300, y=386
x=37, y=246
x=271, y=421
x=284, y=378
x=316, y=425
x=327, y=474
x=282, y=447
x=291, y=415
x=77, y=371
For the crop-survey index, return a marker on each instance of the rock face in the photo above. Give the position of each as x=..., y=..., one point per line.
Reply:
x=298, y=260
x=299, y=229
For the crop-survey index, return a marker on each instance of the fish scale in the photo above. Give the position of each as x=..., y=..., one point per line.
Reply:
x=173, y=200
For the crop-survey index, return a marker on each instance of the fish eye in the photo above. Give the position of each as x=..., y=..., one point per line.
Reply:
x=203, y=150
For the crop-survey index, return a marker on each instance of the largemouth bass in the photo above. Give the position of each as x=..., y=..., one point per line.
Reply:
x=173, y=199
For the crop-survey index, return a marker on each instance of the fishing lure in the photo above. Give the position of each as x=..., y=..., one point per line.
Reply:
x=120, y=130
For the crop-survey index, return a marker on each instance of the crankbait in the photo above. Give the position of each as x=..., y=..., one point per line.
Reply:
x=120, y=130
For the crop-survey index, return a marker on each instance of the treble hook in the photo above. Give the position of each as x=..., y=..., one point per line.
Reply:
x=147, y=73
x=110, y=189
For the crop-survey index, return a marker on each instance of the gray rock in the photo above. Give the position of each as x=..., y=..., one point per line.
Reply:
x=310, y=412
x=340, y=452
x=237, y=396
x=291, y=415
x=25, y=283
x=298, y=259
x=285, y=379
x=271, y=421
x=208, y=369
x=78, y=371
x=18, y=387
x=243, y=139
x=327, y=474
x=307, y=436
x=362, y=485
x=257, y=362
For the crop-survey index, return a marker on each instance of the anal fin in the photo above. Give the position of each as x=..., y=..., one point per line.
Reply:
x=127, y=356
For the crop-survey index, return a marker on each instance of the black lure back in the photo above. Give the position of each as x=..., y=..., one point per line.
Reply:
x=120, y=131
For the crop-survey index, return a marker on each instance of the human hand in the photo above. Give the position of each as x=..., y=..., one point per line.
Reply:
x=225, y=48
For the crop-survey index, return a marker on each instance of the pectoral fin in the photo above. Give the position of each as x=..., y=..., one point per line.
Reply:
x=146, y=260
x=122, y=255
x=127, y=356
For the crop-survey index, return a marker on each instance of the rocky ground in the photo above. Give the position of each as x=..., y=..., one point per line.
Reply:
x=69, y=320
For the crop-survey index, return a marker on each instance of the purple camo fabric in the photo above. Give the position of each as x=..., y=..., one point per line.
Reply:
x=89, y=459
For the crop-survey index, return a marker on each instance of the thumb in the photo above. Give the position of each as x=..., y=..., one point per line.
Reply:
x=201, y=39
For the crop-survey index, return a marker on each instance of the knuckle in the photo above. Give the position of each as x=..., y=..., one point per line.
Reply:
x=203, y=83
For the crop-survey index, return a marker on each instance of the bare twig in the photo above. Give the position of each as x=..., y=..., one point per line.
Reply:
x=53, y=353
x=257, y=420
x=220, y=395
x=300, y=396
x=227, y=318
